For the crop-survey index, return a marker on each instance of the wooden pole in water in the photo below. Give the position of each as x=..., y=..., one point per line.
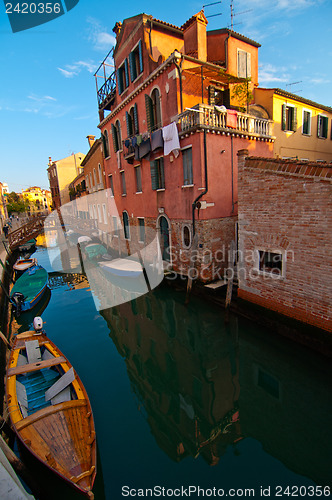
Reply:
x=5, y=340
x=230, y=281
x=192, y=261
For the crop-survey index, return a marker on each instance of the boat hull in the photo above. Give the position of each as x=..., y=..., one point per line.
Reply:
x=61, y=435
x=32, y=285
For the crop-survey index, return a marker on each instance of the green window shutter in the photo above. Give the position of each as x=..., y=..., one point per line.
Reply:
x=104, y=145
x=120, y=83
x=126, y=72
x=140, y=54
x=132, y=67
x=294, y=121
x=129, y=125
x=154, y=175
x=136, y=131
x=162, y=173
x=149, y=112
x=115, y=139
x=283, y=117
x=325, y=126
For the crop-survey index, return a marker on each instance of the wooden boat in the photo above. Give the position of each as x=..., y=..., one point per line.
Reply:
x=50, y=410
x=27, y=246
x=22, y=265
x=29, y=288
x=94, y=250
x=125, y=268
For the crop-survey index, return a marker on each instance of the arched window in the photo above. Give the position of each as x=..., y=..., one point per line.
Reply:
x=116, y=134
x=91, y=183
x=100, y=174
x=186, y=236
x=126, y=225
x=106, y=144
x=132, y=121
x=153, y=110
x=95, y=176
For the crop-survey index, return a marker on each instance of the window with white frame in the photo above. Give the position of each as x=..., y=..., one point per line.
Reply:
x=123, y=183
x=141, y=229
x=104, y=213
x=115, y=225
x=306, y=122
x=99, y=213
x=111, y=185
x=322, y=126
x=187, y=166
x=138, y=178
x=289, y=118
x=100, y=174
x=243, y=64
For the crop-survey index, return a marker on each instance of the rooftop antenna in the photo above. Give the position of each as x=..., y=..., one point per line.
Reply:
x=237, y=14
x=208, y=5
x=294, y=83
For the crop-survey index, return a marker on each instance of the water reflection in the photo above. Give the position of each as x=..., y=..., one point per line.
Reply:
x=203, y=387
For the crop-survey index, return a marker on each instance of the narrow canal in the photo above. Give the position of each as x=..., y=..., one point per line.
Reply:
x=180, y=399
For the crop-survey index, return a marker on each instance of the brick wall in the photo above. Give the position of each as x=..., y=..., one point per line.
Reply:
x=285, y=207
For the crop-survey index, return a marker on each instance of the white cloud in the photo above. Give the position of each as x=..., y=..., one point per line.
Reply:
x=66, y=73
x=41, y=99
x=270, y=73
x=76, y=68
x=98, y=35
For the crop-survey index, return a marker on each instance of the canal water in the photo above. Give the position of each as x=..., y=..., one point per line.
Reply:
x=181, y=400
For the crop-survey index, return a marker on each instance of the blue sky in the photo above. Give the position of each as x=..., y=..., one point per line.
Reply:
x=48, y=101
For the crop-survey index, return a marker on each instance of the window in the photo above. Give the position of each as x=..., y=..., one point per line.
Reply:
x=289, y=118
x=187, y=166
x=138, y=177
x=141, y=229
x=322, y=126
x=106, y=144
x=132, y=121
x=186, y=236
x=87, y=181
x=91, y=183
x=95, y=177
x=270, y=262
x=126, y=225
x=116, y=134
x=243, y=64
x=99, y=213
x=104, y=213
x=123, y=76
x=100, y=174
x=110, y=181
x=157, y=174
x=306, y=122
x=123, y=183
x=136, y=61
x=115, y=225
x=153, y=110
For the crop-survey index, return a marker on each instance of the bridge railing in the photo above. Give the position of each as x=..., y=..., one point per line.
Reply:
x=26, y=232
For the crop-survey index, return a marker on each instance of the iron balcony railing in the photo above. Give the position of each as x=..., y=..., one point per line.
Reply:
x=204, y=115
x=106, y=93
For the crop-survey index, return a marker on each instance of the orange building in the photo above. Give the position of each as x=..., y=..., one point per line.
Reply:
x=173, y=116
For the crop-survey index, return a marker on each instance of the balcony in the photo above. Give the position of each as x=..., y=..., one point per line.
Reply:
x=225, y=121
x=128, y=152
x=106, y=93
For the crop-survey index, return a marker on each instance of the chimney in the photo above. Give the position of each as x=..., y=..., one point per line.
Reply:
x=49, y=161
x=117, y=29
x=194, y=34
x=91, y=140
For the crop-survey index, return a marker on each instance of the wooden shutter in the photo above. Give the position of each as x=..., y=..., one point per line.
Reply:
x=325, y=126
x=104, y=145
x=154, y=175
x=126, y=73
x=129, y=125
x=248, y=72
x=132, y=66
x=294, y=121
x=161, y=173
x=319, y=117
x=149, y=112
x=136, y=130
x=283, y=117
x=115, y=139
x=140, y=54
x=120, y=83
x=241, y=64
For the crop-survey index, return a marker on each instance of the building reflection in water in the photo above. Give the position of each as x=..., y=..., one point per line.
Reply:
x=183, y=372
x=204, y=386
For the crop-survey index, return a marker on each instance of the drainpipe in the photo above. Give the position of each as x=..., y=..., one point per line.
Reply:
x=179, y=68
x=232, y=169
x=150, y=40
x=195, y=203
